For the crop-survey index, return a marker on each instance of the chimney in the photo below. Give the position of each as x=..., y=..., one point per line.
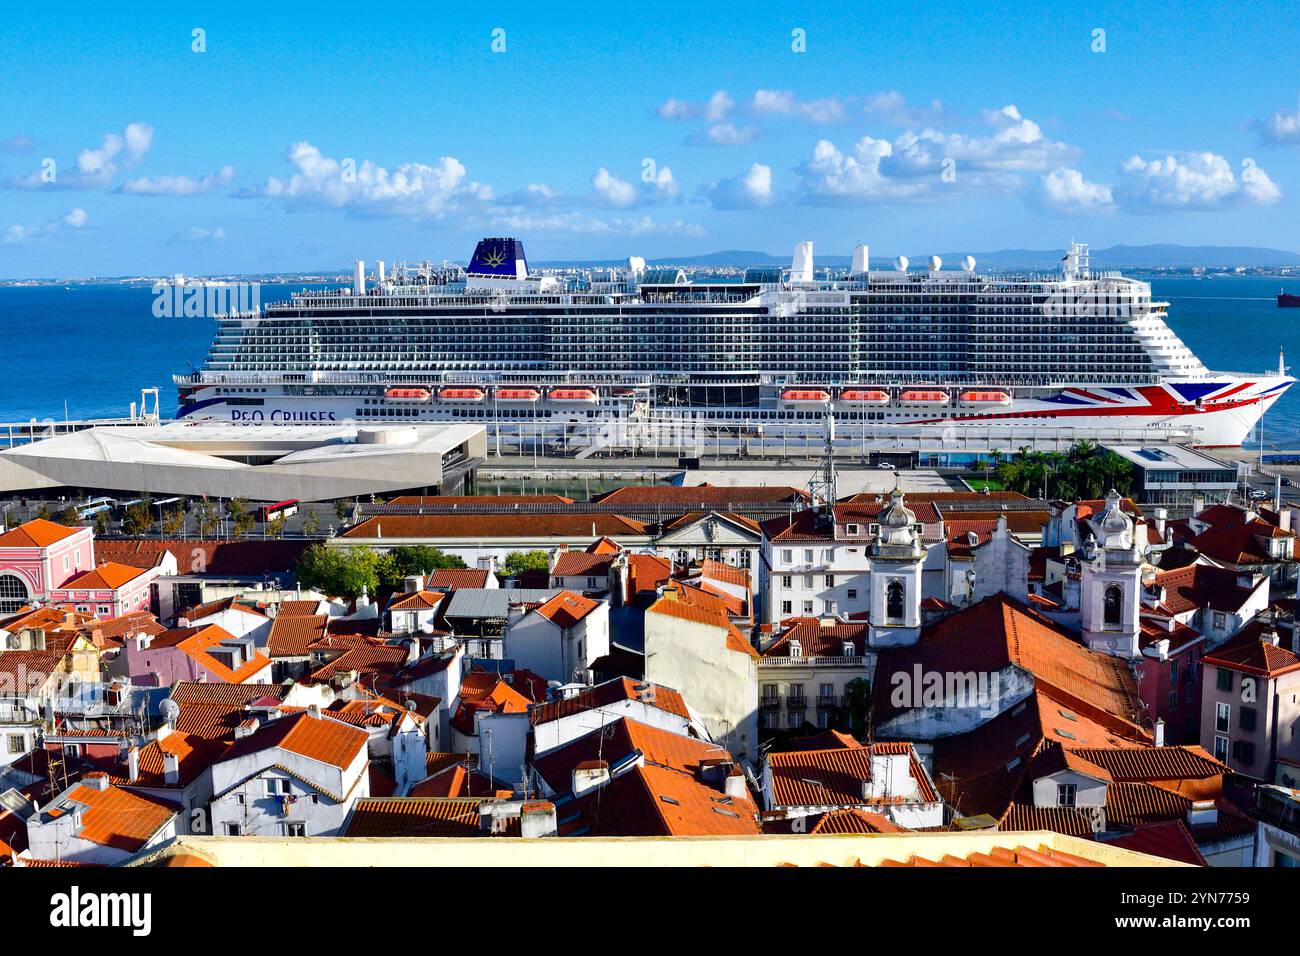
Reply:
x=801, y=266
x=1284, y=519
x=162, y=732
x=735, y=783
x=1270, y=637
x=1202, y=813
x=1159, y=517
x=1160, y=732
x=171, y=769
x=182, y=622
x=359, y=278
x=1198, y=504
x=861, y=261
x=537, y=818
x=96, y=781
x=413, y=650
x=313, y=710
x=589, y=775
x=133, y=763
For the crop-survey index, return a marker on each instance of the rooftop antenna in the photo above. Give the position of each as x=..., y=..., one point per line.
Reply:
x=823, y=483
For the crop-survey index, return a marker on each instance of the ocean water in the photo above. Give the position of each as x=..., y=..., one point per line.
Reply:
x=87, y=352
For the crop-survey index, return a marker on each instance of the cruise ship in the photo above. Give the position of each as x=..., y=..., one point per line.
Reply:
x=777, y=351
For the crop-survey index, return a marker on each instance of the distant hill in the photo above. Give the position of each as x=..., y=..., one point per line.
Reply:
x=1159, y=256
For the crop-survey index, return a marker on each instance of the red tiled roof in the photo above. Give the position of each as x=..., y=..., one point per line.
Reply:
x=197, y=644
x=109, y=575
x=825, y=740
x=1148, y=764
x=413, y=817
x=292, y=636
x=1044, y=856
x=445, y=579
x=615, y=741
x=721, y=571
x=1171, y=840
x=37, y=533
x=646, y=572
x=818, y=640
x=835, y=777
x=700, y=495
x=1253, y=656
x=458, y=781
x=611, y=692
x=215, y=558
x=496, y=526
x=317, y=738
x=582, y=564
x=1202, y=586
x=200, y=611
x=566, y=609
x=417, y=601
x=118, y=818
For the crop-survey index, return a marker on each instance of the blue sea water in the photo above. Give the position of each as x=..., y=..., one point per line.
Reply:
x=94, y=347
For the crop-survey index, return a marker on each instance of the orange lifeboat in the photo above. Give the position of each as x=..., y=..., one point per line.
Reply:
x=864, y=396
x=407, y=394
x=572, y=396
x=517, y=395
x=462, y=395
x=624, y=392
x=805, y=396
x=923, y=397
x=985, y=398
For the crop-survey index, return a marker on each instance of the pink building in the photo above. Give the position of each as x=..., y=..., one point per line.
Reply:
x=38, y=557
x=109, y=591
x=208, y=653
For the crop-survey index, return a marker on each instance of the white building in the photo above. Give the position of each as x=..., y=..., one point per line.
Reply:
x=561, y=638
x=296, y=776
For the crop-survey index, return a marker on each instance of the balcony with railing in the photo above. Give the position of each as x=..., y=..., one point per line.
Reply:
x=796, y=703
x=815, y=663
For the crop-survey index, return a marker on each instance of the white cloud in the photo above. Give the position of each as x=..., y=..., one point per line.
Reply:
x=1065, y=191
x=725, y=134
x=892, y=108
x=413, y=190
x=716, y=108
x=751, y=189
x=609, y=190
x=1195, y=181
x=179, y=185
x=17, y=144
x=830, y=109
x=98, y=167
x=73, y=219
x=917, y=166
x=204, y=234
x=1280, y=129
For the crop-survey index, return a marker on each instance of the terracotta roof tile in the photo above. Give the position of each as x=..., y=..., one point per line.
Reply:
x=110, y=575
x=445, y=579
x=292, y=636
x=566, y=609
x=117, y=818
x=413, y=817
x=610, y=692
x=317, y=738
x=37, y=533
x=835, y=777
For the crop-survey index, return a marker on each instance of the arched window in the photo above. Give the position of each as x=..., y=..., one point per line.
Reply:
x=894, y=601
x=1114, y=604
x=13, y=594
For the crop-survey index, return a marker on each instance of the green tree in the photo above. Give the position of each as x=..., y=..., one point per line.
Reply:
x=275, y=527
x=138, y=518
x=69, y=516
x=311, y=523
x=242, y=520
x=173, y=522
x=410, y=559
x=339, y=572
x=44, y=512
x=207, y=519
x=343, y=508
x=101, y=524
x=517, y=562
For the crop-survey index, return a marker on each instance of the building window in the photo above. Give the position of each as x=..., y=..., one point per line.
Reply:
x=276, y=786
x=807, y=556
x=1221, y=749
x=17, y=744
x=787, y=581
x=1220, y=620
x=295, y=829
x=787, y=607
x=787, y=556
x=13, y=594
x=1223, y=679
x=894, y=600
x=1246, y=718
x=830, y=580
x=231, y=829
x=808, y=582
x=1222, y=717
x=853, y=530
x=1114, y=604
x=853, y=594
x=808, y=607
x=1243, y=751
x=1065, y=794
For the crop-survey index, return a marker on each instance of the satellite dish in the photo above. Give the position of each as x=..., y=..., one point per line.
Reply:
x=170, y=710
x=935, y=263
x=968, y=264
x=901, y=261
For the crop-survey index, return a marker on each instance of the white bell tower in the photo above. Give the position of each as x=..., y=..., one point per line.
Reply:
x=896, y=559
x=1110, y=595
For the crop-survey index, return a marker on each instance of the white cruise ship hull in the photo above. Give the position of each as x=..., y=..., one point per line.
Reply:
x=1217, y=412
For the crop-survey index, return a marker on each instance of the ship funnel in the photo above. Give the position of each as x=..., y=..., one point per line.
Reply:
x=860, y=259
x=901, y=262
x=801, y=267
x=968, y=264
x=379, y=274
x=359, y=278
x=935, y=263
x=635, y=265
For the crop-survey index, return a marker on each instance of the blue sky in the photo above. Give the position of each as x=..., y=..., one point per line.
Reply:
x=651, y=129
